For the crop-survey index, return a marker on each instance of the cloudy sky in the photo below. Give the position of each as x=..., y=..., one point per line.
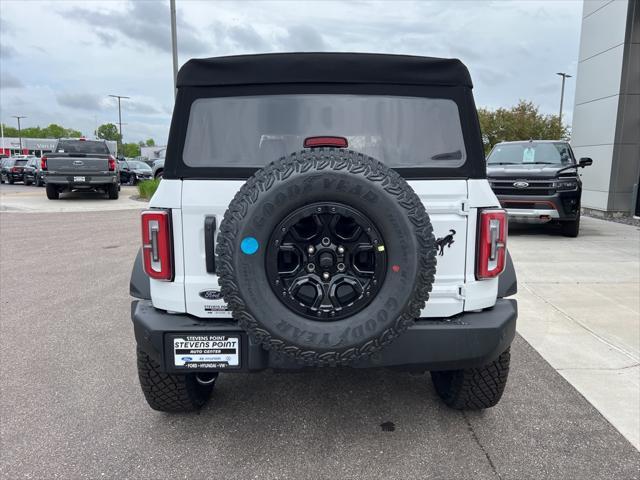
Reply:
x=60, y=60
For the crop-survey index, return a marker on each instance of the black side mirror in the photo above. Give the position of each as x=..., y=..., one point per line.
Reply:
x=585, y=162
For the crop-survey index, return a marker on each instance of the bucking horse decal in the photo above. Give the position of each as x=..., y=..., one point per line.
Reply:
x=445, y=241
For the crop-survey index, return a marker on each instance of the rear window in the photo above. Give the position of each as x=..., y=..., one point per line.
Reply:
x=252, y=131
x=82, y=146
x=20, y=162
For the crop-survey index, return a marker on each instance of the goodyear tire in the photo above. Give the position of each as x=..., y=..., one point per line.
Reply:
x=377, y=196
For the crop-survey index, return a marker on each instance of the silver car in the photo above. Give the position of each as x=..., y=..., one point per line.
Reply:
x=158, y=168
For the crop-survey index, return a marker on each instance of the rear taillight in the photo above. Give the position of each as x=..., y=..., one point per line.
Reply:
x=43, y=163
x=112, y=164
x=14, y=169
x=492, y=243
x=156, y=244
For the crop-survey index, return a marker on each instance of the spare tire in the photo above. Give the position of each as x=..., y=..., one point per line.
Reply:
x=326, y=255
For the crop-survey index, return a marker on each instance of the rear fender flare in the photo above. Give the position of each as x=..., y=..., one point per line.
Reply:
x=140, y=284
x=507, y=282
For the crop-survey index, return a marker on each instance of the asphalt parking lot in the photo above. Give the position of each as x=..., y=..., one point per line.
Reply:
x=72, y=408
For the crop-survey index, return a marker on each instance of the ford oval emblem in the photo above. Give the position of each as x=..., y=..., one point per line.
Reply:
x=211, y=294
x=520, y=184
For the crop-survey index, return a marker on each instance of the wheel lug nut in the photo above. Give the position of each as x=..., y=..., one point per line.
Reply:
x=341, y=250
x=311, y=267
x=326, y=241
x=326, y=275
x=310, y=249
x=341, y=267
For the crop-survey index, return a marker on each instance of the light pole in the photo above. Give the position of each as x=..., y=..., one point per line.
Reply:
x=174, y=44
x=564, y=77
x=18, y=117
x=119, y=97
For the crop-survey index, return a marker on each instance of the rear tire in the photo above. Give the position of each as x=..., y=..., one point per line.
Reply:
x=571, y=228
x=52, y=192
x=113, y=191
x=167, y=392
x=28, y=182
x=11, y=181
x=473, y=388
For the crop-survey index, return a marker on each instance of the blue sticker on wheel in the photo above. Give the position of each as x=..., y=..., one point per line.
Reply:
x=249, y=245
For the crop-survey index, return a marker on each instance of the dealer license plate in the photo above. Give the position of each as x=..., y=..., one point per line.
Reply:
x=78, y=179
x=206, y=351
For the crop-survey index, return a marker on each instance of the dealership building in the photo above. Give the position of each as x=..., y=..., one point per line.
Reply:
x=606, y=114
x=30, y=146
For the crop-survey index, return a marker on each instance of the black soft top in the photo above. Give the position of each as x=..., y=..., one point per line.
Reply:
x=343, y=68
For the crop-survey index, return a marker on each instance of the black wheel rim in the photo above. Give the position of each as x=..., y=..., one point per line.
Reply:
x=326, y=261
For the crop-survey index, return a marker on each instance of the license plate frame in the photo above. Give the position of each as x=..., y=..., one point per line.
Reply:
x=79, y=179
x=204, y=352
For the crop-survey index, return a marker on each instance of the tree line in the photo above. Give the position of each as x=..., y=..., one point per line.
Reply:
x=520, y=122
x=108, y=131
x=52, y=131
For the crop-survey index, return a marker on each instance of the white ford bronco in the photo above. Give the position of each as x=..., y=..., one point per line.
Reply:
x=321, y=210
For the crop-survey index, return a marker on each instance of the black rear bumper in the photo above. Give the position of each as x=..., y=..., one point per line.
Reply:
x=468, y=340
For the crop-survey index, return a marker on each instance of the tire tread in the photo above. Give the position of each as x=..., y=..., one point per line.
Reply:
x=474, y=388
x=167, y=392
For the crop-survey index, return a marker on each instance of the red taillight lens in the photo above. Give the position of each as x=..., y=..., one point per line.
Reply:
x=112, y=164
x=157, y=245
x=339, y=142
x=492, y=243
x=43, y=163
x=14, y=169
